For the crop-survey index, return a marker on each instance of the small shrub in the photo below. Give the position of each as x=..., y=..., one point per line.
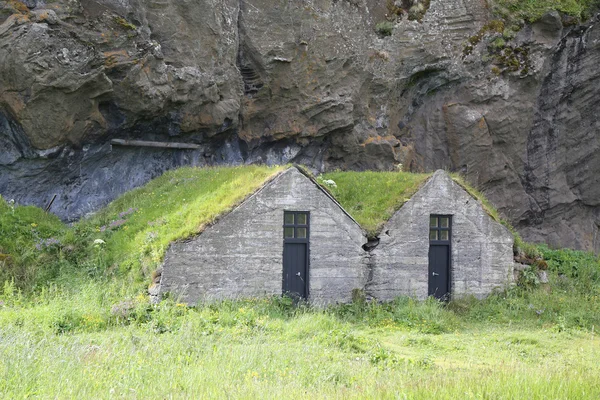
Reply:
x=498, y=43
x=416, y=12
x=384, y=28
x=393, y=9
x=529, y=278
x=358, y=297
x=125, y=24
x=349, y=341
x=384, y=358
x=67, y=322
x=494, y=26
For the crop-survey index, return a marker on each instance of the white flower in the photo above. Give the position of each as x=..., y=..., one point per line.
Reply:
x=330, y=182
x=99, y=242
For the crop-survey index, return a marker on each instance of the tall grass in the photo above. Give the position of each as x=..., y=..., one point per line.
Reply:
x=571, y=299
x=92, y=343
x=101, y=340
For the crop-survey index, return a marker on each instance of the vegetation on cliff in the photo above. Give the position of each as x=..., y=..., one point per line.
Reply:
x=532, y=10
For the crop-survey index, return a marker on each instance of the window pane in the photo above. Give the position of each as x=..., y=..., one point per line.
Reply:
x=301, y=219
x=433, y=221
x=443, y=235
x=433, y=234
x=444, y=221
x=288, y=233
x=301, y=233
x=288, y=219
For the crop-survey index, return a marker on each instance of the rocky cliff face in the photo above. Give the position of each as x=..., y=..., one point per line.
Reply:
x=307, y=81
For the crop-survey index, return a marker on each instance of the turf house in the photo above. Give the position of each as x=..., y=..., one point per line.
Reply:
x=292, y=236
x=441, y=242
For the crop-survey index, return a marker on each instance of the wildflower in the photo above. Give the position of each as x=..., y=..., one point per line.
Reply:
x=150, y=236
x=33, y=224
x=99, y=242
x=330, y=182
x=117, y=223
x=130, y=210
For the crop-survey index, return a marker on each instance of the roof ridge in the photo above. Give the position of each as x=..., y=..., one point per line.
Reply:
x=306, y=173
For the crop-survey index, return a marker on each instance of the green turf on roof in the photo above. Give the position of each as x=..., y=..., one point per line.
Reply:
x=130, y=235
x=176, y=205
x=372, y=197
x=487, y=206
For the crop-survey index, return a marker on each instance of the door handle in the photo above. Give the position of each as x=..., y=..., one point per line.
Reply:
x=435, y=274
x=297, y=273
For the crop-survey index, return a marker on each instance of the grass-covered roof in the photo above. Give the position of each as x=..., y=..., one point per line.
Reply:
x=133, y=232
x=372, y=197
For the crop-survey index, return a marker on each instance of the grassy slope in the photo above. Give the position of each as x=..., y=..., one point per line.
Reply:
x=176, y=205
x=373, y=197
x=135, y=229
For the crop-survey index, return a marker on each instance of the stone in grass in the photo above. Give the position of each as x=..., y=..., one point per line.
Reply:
x=543, y=277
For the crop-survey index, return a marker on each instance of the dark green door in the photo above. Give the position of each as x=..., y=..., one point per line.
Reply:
x=295, y=253
x=440, y=230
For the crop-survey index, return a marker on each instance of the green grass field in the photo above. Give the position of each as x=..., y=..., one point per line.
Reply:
x=76, y=321
x=83, y=345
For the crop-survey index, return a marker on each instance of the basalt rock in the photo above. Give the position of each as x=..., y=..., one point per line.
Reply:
x=304, y=81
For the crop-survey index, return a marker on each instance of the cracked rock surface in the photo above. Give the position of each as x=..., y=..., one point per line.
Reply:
x=307, y=81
